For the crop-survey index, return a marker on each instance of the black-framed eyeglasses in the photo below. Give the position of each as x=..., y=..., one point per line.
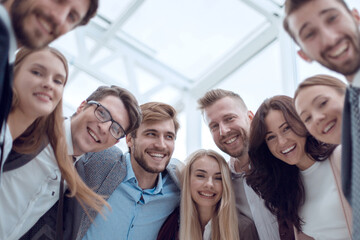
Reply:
x=103, y=115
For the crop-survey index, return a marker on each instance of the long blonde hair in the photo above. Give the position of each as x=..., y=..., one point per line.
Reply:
x=224, y=222
x=51, y=127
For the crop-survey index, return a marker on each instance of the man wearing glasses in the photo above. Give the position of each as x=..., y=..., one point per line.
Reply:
x=145, y=190
x=98, y=124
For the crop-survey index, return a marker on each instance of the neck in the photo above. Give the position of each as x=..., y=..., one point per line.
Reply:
x=18, y=122
x=241, y=164
x=305, y=163
x=205, y=215
x=7, y=5
x=146, y=180
x=350, y=78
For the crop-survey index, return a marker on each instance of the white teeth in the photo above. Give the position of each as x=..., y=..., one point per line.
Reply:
x=93, y=135
x=157, y=155
x=339, y=50
x=45, y=25
x=231, y=140
x=42, y=95
x=288, y=150
x=328, y=127
x=207, y=194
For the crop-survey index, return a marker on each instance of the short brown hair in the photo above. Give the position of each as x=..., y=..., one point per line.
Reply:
x=94, y=4
x=156, y=112
x=322, y=80
x=293, y=5
x=214, y=95
x=130, y=103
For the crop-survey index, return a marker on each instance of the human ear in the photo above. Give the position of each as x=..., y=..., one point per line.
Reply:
x=304, y=56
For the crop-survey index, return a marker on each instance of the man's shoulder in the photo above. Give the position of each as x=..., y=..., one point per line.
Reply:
x=174, y=169
x=111, y=154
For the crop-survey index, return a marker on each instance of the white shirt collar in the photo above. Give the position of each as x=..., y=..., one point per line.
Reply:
x=68, y=136
x=356, y=81
x=4, y=16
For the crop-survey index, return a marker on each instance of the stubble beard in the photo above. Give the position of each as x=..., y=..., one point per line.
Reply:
x=241, y=152
x=140, y=159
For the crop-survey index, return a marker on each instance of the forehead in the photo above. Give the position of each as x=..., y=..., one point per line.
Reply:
x=46, y=58
x=209, y=164
x=165, y=126
x=222, y=107
x=308, y=94
x=309, y=13
x=116, y=108
x=274, y=119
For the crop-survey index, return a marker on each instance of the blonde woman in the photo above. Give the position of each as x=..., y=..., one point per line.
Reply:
x=35, y=119
x=207, y=208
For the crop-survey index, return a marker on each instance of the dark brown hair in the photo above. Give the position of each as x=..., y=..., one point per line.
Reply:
x=94, y=4
x=278, y=183
x=128, y=99
x=293, y=5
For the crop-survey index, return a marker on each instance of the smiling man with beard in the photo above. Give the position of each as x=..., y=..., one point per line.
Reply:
x=33, y=24
x=327, y=31
x=229, y=122
x=148, y=190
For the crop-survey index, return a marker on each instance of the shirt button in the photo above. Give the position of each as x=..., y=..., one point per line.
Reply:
x=132, y=225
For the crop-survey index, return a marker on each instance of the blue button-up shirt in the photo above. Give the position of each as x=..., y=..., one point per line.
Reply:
x=136, y=213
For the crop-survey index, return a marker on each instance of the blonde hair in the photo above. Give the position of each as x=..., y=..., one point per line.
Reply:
x=51, y=127
x=224, y=222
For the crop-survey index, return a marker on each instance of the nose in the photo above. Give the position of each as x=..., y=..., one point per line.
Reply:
x=58, y=15
x=329, y=37
x=160, y=143
x=318, y=117
x=104, y=127
x=281, y=140
x=224, y=129
x=48, y=83
x=210, y=183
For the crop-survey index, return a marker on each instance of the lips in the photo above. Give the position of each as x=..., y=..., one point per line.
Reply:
x=93, y=135
x=329, y=126
x=157, y=155
x=43, y=96
x=207, y=194
x=289, y=149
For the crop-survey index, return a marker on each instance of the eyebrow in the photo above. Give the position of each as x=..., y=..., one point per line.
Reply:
x=203, y=171
x=312, y=102
x=38, y=65
x=324, y=11
x=279, y=127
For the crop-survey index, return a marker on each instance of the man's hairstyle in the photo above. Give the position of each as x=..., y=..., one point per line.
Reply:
x=293, y=5
x=94, y=4
x=156, y=112
x=214, y=95
x=128, y=99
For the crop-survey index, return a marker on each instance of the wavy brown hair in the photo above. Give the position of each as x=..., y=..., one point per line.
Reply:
x=51, y=128
x=277, y=182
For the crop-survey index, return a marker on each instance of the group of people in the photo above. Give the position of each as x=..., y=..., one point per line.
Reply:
x=294, y=169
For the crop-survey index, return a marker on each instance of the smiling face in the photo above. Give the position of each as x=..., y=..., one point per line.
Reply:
x=38, y=22
x=327, y=33
x=39, y=83
x=91, y=135
x=206, y=183
x=282, y=142
x=320, y=109
x=229, y=124
x=152, y=147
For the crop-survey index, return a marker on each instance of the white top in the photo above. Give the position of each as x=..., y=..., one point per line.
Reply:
x=207, y=231
x=322, y=212
x=5, y=135
x=251, y=205
x=28, y=192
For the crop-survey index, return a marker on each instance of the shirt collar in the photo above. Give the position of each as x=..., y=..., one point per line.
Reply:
x=68, y=137
x=356, y=81
x=4, y=16
x=130, y=176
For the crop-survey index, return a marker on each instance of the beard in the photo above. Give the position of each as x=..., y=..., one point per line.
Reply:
x=349, y=67
x=241, y=150
x=141, y=160
x=19, y=11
